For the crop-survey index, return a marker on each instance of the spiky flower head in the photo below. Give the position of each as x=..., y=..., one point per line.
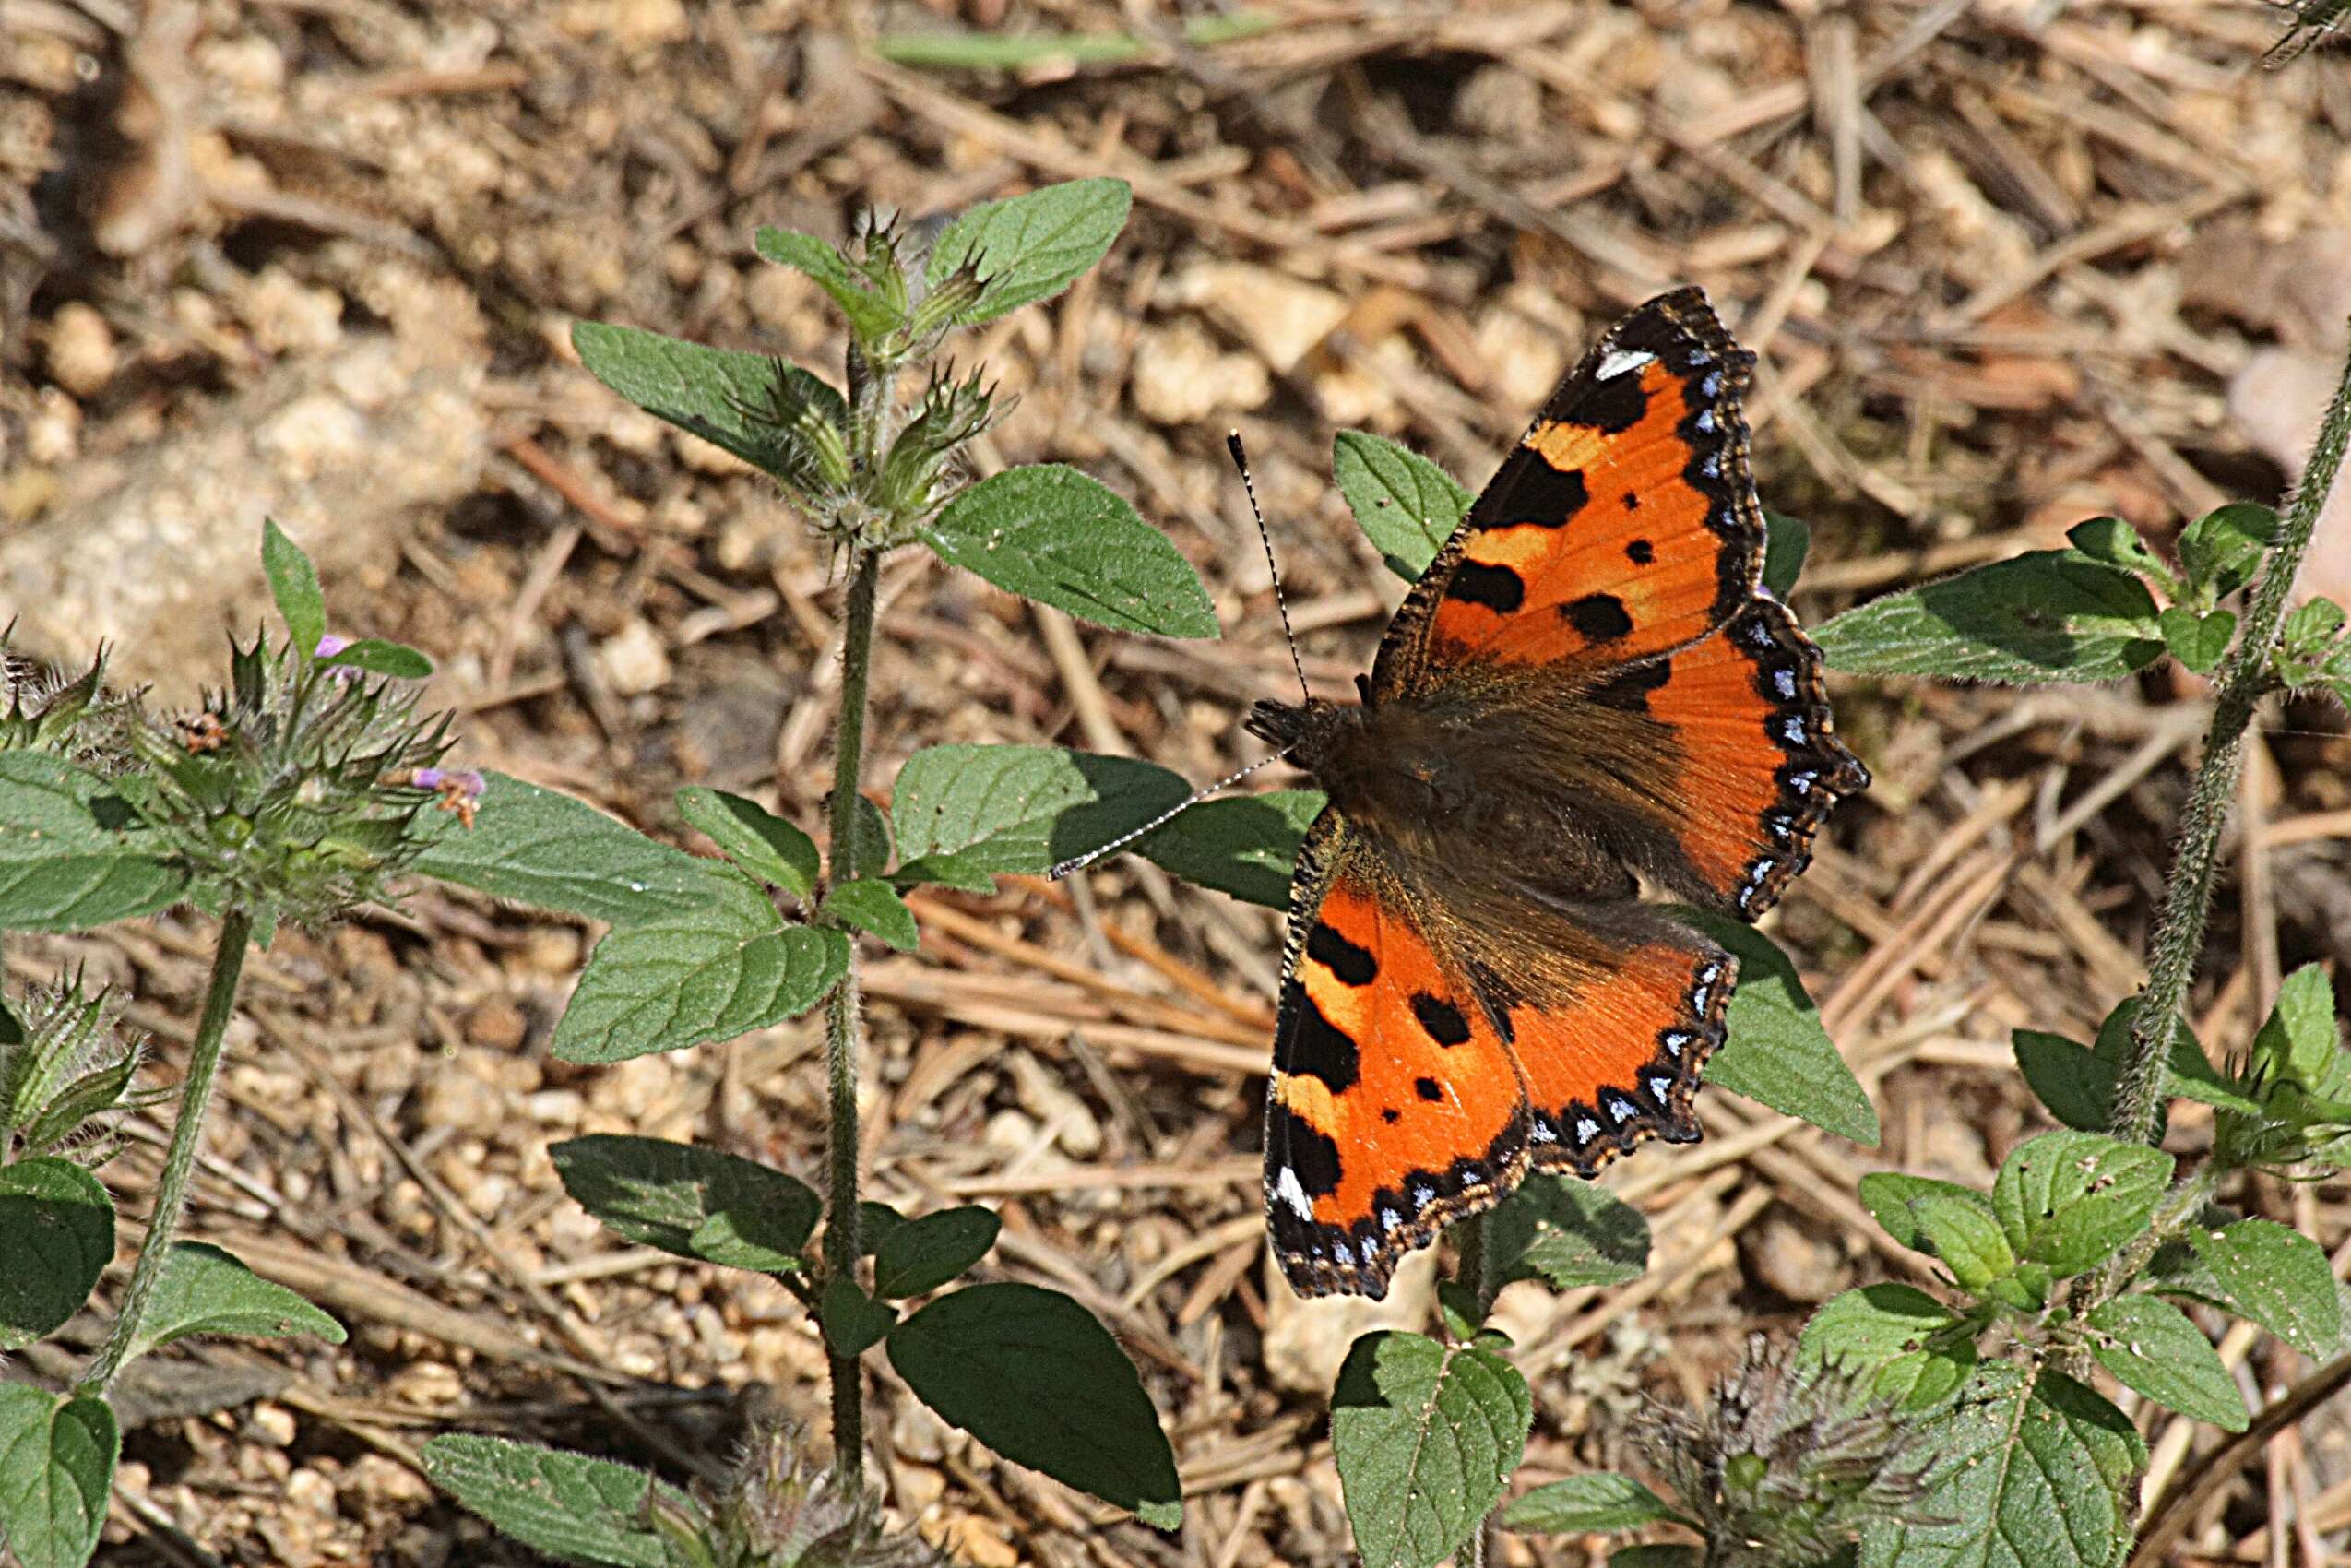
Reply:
x=296, y=792
x=76, y=717
x=68, y=1073
x=1789, y=1462
x=777, y=1513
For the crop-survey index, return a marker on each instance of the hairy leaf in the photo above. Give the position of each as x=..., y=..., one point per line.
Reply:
x=1426, y=1436
x=205, y=1290
x=293, y=583
x=2149, y=1345
x=1030, y=247
x=1569, y=1233
x=1601, y=1499
x=553, y=853
x=715, y=972
x=967, y=811
x=1405, y=504
x=2276, y=1276
x=72, y=854
x=2069, y=1199
x=57, y=1461
x=690, y=1200
x=1243, y=845
x=1775, y=1050
x=2051, y=616
x=922, y=1254
x=729, y=399
x=1049, y=533
x=754, y=837
x=568, y=1505
x=1031, y=1373
x=57, y=1234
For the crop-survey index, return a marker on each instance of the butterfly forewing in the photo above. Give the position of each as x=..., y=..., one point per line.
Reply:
x=1623, y=525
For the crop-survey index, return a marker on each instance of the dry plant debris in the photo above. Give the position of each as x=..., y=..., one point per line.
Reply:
x=2009, y=264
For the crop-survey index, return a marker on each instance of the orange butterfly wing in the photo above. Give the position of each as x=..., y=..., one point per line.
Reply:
x=1623, y=525
x=1394, y=1108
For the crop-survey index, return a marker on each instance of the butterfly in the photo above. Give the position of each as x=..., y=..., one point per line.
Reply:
x=1588, y=688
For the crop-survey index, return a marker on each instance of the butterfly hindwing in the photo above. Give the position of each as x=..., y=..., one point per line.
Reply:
x=1394, y=1108
x=1757, y=761
x=1624, y=524
x=1613, y=1058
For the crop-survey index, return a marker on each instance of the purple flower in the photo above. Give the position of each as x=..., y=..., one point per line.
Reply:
x=330, y=644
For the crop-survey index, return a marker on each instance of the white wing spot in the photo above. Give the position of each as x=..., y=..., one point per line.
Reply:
x=1287, y=1188
x=1616, y=362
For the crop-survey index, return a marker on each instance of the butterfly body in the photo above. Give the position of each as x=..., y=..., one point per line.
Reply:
x=1588, y=691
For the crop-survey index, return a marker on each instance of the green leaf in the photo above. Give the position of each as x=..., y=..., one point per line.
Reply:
x=1426, y=1436
x=2199, y=642
x=2113, y=542
x=72, y=854
x=1029, y=248
x=1903, y=1337
x=691, y=1201
x=57, y=1232
x=2222, y=549
x=2070, y=1199
x=870, y=315
x=716, y=972
x=1601, y=1499
x=728, y=398
x=871, y=841
x=1888, y=1194
x=379, y=657
x=1968, y=1239
x=2298, y=1039
x=2070, y=1080
x=552, y=853
x=875, y=1224
x=2311, y=627
x=1660, y=1554
x=2033, y=1470
x=57, y=1462
x=967, y=811
x=2277, y=1277
x=1775, y=1050
x=568, y=1505
x=853, y=1322
x=755, y=838
x=1029, y=1373
x=1049, y=533
x=1566, y=1232
x=871, y=905
x=205, y=1290
x=1245, y=846
x=2051, y=616
x=1405, y=504
x=293, y=583
x=922, y=1254
x=2149, y=1345
x=1787, y=542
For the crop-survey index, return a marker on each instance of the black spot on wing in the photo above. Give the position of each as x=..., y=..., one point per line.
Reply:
x=1390, y=1115
x=1295, y=1146
x=1443, y=1020
x=1498, y=589
x=1429, y=1089
x=1640, y=552
x=1545, y=497
x=1610, y=406
x=1354, y=965
x=1320, y=1048
x=1600, y=617
x=1629, y=688
x=1633, y=504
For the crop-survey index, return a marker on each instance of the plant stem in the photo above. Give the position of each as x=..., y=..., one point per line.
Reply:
x=2139, y=1100
x=843, y=1016
x=179, y=1161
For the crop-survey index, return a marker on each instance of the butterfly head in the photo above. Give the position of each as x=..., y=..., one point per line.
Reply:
x=1305, y=733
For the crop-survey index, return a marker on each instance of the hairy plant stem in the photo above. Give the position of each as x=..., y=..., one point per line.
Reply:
x=844, y=1016
x=2139, y=1099
x=179, y=1161
x=1479, y=1271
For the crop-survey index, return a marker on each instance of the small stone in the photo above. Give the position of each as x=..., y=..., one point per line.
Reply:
x=273, y=1424
x=497, y=1025
x=633, y=659
x=82, y=353
x=430, y=1383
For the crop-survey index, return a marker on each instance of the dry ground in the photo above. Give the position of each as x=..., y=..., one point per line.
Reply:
x=2009, y=263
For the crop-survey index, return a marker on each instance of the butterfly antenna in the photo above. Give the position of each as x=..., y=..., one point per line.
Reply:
x=1080, y=862
x=1240, y=461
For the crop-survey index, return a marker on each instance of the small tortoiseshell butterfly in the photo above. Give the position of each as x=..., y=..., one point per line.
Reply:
x=1588, y=686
